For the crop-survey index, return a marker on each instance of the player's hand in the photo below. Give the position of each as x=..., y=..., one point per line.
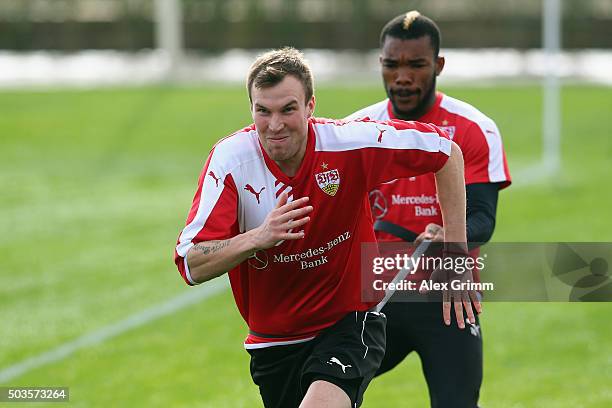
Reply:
x=284, y=222
x=433, y=232
x=452, y=279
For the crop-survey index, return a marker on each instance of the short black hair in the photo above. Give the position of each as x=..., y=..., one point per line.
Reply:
x=412, y=25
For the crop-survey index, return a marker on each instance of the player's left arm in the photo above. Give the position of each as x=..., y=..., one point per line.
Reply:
x=450, y=185
x=425, y=148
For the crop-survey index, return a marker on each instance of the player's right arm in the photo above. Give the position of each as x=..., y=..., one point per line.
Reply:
x=210, y=259
x=213, y=241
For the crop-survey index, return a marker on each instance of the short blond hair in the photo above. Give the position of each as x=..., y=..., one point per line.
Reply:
x=412, y=25
x=409, y=18
x=273, y=66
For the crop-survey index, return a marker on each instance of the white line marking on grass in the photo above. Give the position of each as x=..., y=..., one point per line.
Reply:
x=108, y=332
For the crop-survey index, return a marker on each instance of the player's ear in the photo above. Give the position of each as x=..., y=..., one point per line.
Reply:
x=310, y=106
x=439, y=65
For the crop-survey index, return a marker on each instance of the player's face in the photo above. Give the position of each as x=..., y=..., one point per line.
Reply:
x=281, y=115
x=409, y=70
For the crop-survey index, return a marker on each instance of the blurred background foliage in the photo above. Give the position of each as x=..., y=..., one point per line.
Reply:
x=216, y=25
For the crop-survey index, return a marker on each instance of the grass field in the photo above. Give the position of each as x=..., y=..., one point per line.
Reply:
x=96, y=186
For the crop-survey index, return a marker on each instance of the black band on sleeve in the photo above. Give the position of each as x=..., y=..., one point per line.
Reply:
x=481, y=211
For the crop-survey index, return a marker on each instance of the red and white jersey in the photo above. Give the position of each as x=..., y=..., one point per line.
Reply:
x=413, y=202
x=289, y=293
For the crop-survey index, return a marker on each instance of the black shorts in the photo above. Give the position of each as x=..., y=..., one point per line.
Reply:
x=451, y=357
x=346, y=354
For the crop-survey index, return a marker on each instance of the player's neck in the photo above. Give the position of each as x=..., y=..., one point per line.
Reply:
x=289, y=167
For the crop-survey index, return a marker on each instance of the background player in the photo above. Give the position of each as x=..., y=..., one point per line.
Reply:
x=280, y=205
x=408, y=209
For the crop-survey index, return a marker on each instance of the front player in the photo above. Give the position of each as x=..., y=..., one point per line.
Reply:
x=280, y=205
x=408, y=209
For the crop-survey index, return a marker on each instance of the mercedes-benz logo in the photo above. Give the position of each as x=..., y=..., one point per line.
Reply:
x=378, y=204
x=259, y=260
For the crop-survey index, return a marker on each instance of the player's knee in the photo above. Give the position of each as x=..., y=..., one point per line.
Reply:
x=323, y=394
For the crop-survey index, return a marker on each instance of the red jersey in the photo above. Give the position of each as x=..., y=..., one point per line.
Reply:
x=413, y=202
x=289, y=293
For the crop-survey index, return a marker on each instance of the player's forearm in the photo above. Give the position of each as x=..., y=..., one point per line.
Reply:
x=450, y=184
x=210, y=259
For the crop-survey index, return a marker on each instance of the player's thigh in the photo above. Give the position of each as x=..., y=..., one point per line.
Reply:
x=452, y=360
x=348, y=354
x=277, y=372
x=400, y=341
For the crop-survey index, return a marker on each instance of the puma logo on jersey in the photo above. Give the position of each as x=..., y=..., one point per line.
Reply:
x=211, y=174
x=336, y=361
x=380, y=135
x=251, y=190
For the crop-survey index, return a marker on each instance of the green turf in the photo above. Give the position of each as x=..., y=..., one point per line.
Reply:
x=97, y=184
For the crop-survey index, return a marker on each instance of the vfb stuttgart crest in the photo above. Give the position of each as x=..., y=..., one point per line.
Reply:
x=329, y=181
